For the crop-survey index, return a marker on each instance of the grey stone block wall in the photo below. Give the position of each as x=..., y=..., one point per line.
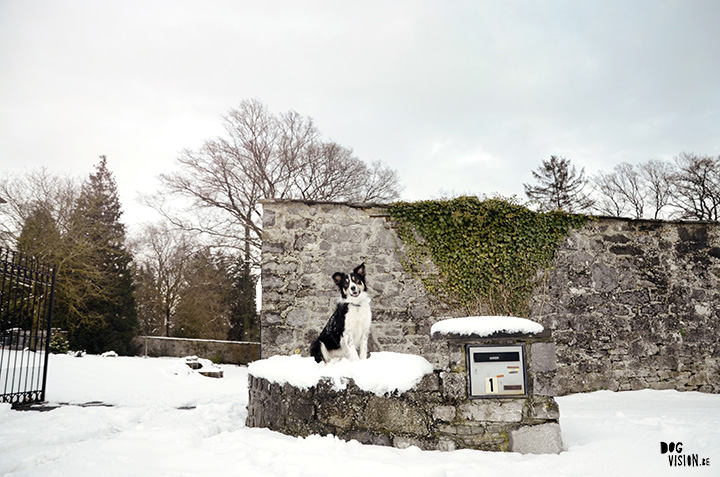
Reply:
x=232, y=352
x=631, y=304
x=435, y=415
x=304, y=244
x=635, y=305
x=428, y=416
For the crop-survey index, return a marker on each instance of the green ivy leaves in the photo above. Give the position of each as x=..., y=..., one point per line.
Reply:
x=486, y=254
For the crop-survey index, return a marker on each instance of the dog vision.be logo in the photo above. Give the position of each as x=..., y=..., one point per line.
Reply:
x=676, y=457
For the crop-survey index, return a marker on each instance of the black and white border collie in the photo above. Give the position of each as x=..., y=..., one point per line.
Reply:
x=346, y=333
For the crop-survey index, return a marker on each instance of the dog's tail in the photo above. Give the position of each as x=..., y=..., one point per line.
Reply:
x=316, y=351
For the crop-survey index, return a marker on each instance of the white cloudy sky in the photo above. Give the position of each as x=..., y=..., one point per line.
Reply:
x=458, y=96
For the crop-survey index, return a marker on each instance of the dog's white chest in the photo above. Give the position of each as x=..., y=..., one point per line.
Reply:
x=357, y=320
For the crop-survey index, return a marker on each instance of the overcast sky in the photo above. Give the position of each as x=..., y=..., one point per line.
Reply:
x=458, y=96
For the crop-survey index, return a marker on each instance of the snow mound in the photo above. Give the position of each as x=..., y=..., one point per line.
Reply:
x=486, y=326
x=381, y=373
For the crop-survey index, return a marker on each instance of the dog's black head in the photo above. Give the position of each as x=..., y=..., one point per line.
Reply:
x=351, y=284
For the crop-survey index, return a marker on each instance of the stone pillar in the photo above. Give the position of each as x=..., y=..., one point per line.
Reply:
x=530, y=422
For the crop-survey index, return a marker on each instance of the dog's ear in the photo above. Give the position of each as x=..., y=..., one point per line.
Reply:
x=338, y=278
x=360, y=270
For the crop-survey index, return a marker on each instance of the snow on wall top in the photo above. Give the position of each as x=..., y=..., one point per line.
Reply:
x=485, y=326
x=381, y=373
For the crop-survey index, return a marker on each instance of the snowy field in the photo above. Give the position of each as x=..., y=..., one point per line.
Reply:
x=157, y=418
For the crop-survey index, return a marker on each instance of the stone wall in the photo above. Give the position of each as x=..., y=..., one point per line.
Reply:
x=304, y=244
x=631, y=304
x=635, y=305
x=233, y=352
x=435, y=415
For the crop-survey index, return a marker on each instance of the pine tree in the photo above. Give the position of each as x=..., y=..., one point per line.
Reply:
x=244, y=323
x=40, y=236
x=560, y=187
x=204, y=309
x=102, y=314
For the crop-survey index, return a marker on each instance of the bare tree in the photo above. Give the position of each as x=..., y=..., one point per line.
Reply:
x=26, y=194
x=657, y=176
x=608, y=202
x=621, y=190
x=329, y=171
x=696, y=186
x=634, y=190
x=381, y=184
x=162, y=258
x=263, y=156
x=560, y=187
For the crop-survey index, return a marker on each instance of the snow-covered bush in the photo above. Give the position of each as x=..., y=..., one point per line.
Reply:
x=59, y=345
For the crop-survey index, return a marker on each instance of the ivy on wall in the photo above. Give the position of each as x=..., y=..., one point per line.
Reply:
x=482, y=256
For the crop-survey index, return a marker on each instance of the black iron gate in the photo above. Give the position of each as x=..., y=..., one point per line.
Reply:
x=26, y=302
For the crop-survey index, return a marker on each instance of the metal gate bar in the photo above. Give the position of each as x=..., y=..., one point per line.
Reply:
x=26, y=301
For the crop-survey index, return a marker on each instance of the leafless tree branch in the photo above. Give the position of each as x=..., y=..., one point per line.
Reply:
x=218, y=187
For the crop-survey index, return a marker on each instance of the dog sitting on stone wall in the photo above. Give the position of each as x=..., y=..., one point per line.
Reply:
x=346, y=333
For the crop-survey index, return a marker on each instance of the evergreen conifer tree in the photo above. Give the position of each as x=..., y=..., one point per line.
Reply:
x=560, y=187
x=102, y=315
x=40, y=236
x=204, y=309
x=244, y=323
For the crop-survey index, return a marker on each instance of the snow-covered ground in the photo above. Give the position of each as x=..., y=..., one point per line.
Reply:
x=160, y=419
